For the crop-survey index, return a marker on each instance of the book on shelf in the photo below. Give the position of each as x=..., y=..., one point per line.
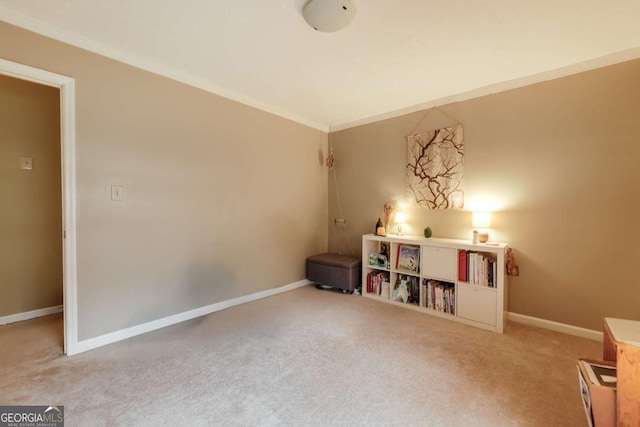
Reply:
x=408, y=258
x=400, y=290
x=462, y=266
x=385, y=289
x=477, y=268
x=378, y=283
x=439, y=296
x=406, y=289
x=414, y=290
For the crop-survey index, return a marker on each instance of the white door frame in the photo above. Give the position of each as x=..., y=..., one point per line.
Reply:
x=68, y=163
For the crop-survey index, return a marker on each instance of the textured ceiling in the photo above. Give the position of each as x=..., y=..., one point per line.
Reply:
x=396, y=56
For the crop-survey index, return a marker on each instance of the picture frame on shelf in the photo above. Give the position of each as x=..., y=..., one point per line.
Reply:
x=408, y=258
x=378, y=260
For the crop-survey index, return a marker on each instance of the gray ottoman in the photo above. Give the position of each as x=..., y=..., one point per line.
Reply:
x=339, y=271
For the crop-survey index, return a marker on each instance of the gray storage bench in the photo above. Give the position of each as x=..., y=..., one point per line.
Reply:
x=339, y=271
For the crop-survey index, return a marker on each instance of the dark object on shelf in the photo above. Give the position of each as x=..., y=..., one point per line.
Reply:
x=427, y=232
x=384, y=250
x=339, y=271
x=380, y=230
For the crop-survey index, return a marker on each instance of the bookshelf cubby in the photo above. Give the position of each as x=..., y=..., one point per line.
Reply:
x=452, y=279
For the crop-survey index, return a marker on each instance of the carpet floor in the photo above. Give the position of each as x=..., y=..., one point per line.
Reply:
x=305, y=357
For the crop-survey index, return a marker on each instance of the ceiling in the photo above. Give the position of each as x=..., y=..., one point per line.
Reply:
x=395, y=57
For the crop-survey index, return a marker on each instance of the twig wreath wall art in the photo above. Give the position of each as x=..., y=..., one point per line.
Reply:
x=435, y=169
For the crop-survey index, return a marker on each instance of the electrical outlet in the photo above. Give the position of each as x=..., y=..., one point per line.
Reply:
x=340, y=222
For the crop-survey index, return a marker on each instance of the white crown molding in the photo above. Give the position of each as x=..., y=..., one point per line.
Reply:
x=592, y=64
x=37, y=26
x=56, y=33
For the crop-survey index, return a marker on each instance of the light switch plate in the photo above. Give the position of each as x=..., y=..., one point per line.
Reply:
x=117, y=193
x=26, y=163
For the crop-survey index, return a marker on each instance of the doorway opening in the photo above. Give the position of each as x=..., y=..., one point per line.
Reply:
x=66, y=86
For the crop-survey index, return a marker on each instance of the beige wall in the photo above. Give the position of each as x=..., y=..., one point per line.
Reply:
x=30, y=200
x=558, y=159
x=221, y=200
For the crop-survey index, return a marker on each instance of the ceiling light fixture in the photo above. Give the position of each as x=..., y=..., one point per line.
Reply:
x=329, y=15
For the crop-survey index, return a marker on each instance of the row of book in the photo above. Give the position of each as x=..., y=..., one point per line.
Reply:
x=477, y=268
x=378, y=283
x=435, y=295
x=439, y=296
x=405, y=289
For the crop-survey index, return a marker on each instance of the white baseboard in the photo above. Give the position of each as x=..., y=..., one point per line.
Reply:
x=19, y=317
x=557, y=327
x=181, y=317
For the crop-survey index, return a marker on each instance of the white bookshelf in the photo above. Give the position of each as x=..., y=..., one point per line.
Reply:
x=477, y=304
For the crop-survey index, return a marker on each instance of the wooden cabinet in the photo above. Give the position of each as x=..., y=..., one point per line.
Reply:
x=439, y=280
x=622, y=345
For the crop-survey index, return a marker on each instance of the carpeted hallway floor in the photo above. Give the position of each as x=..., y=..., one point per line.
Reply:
x=305, y=357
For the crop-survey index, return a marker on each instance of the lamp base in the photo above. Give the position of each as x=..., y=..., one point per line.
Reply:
x=483, y=237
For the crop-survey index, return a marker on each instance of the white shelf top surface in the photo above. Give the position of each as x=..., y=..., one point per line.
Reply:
x=626, y=331
x=439, y=241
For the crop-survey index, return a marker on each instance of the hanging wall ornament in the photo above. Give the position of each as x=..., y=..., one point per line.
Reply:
x=435, y=169
x=330, y=160
x=512, y=267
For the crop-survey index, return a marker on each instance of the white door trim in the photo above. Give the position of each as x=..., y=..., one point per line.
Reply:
x=68, y=160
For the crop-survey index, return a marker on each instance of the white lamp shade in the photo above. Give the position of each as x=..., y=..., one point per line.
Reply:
x=400, y=218
x=329, y=15
x=481, y=219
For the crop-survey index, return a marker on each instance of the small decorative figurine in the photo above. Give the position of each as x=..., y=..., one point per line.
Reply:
x=427, y=232
x=512, y=267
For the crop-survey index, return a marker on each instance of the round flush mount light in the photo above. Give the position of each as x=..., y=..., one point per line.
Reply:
x=329, y=15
